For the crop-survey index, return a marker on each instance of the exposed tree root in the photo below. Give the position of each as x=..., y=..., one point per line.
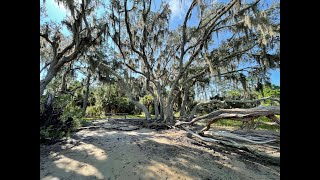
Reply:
x=261, y=155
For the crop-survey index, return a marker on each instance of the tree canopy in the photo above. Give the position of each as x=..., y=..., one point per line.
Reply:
x=127, y=56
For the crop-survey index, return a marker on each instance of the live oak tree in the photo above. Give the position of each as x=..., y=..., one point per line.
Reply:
x=166, y=58
x=57, y=49
x=144, y=56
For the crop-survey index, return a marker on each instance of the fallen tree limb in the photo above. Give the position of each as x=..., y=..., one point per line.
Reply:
x=237, y=114
x=270, y=123
x=231, y=135
x=200, y=137
x=264, y=156
x=193, y=112
x=244, y=115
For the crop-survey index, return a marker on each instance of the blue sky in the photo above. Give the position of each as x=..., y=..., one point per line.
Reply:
x=58, y=13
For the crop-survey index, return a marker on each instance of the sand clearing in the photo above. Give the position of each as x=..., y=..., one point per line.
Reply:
x=144, y=154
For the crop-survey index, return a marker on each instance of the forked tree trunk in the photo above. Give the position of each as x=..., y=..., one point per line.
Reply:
x=169, y=103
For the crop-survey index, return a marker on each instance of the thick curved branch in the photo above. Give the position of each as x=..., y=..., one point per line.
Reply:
x=193, y=112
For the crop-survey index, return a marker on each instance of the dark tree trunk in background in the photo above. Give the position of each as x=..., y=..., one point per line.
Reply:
x=64, y=77
x=85, y=102
x=184, y=103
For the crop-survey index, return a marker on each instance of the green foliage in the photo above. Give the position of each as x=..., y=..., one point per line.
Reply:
x=273, y=91
x=45, y=132
x=67, y=118
x=237, y=94
x=70, y=109
x=106, y=99
x=73, y=111
x=94, y=111
x=229, y=122
x=147, y=100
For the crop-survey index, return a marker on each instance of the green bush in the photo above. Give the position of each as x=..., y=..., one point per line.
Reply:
x=147, y=100
x=94, y=111
x=60, y=118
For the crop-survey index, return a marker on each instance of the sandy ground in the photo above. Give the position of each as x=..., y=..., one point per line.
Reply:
x=145, y=154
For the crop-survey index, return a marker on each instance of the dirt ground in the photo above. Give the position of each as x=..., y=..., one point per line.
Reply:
x=110, y=154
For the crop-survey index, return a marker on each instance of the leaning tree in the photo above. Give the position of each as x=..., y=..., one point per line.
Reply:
x=57, y=48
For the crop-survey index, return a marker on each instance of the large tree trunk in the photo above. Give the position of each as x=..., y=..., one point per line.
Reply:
x=169, y=104
x=63, y=87
x=183, y=108
x=161, y=102
x=185, y=100
x=44, y=82
x=156, y=107
x=85, y=102
x=169, y=112
x=155, y=103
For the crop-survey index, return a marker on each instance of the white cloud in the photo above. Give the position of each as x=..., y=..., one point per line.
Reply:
x=179, y=8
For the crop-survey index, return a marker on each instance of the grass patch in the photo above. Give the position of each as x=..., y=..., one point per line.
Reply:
x=237, y=124
x=228, y=122
x=177, y=115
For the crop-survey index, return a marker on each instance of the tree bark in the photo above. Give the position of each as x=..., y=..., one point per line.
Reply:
x=193, y=112
x=63, y=84
x=169, y=104
x=156, y=107
x=271, y=159
x=161, y=105
x=141, y=106
x=183, y=115
x=236, y=114
x=43, y=83
x=85, y=102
